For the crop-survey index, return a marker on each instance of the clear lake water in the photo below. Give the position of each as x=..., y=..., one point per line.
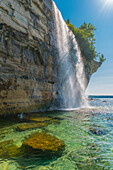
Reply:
x=86, y=132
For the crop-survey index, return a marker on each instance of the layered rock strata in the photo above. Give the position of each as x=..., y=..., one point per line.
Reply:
x=28, y=57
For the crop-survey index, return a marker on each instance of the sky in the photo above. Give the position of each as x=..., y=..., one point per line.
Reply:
x=100, y=14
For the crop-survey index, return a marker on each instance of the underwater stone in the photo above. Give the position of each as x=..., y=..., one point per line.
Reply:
x=97, y=131
x=45, y=142
x=39, y=119
x=9, y=150
x=27, y=126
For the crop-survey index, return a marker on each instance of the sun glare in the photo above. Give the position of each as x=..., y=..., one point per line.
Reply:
x=107, y=6
x=108, y=2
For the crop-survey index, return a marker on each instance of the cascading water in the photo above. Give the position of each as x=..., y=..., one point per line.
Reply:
x=71, y=74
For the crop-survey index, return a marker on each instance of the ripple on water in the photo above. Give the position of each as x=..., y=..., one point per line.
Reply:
x=87, y=134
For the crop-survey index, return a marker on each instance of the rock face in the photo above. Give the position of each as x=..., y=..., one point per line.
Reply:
x=90, y=68
x=28, y=57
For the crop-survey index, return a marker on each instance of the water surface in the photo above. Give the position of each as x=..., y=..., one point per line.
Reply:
x=87, y=134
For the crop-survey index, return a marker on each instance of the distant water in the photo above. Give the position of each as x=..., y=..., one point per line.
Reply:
x=100, y=96
x=87, y=134
x=101, y=101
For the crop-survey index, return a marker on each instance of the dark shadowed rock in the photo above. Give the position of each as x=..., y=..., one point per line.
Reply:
x=97, y=131
x=104, y=101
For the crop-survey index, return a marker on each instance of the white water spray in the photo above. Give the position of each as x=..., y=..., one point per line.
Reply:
x=71, y=74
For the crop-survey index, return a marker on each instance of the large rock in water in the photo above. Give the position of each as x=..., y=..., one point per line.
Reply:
x=9, y=150
x=45, y=142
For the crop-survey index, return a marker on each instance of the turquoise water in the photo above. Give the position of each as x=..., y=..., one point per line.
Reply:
x=87, y=134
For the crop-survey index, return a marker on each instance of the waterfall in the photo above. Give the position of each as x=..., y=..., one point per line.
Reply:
x=71, y=74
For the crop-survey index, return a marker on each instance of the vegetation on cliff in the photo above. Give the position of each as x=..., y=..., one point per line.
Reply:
x=85, y=38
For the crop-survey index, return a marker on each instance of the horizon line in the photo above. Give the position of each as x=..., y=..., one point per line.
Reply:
x=100, y=94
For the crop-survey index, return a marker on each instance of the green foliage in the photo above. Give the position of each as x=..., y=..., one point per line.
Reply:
x=101, y=58
x=67, y=21
x=85, y=38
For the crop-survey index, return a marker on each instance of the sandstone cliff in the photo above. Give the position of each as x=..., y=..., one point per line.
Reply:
x=28, y=57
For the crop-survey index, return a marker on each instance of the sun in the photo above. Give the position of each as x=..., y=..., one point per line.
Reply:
x=107, y=6
x=108, y=2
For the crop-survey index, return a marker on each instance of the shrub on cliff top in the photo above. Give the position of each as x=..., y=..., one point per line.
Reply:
x=85, y=38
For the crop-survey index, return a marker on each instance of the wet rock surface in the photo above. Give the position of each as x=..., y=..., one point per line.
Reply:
x=44, y=142
x=104, y=101
x=27, y=126
x=39, y=119
x=9, y=150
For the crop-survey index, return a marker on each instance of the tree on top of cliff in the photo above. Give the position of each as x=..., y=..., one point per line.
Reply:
x=85, y=38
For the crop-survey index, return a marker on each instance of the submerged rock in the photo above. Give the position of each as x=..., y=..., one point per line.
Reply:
x=91, y=99
x=27, y=126
x=104, y=101
x=97, y=131
x=9, y=150
x=45, y=142
x=55, y=121
x=40, y=119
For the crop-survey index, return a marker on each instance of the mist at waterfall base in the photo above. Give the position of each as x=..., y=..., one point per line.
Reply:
x=71, y=74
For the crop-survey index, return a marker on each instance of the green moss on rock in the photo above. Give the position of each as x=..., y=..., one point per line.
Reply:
x=27, y=126
x=40, y=119
x=44, y=142
x=9, y=150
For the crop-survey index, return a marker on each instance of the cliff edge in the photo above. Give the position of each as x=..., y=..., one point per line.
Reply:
x=28, y=57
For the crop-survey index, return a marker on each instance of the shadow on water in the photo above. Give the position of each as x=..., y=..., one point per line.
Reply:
x=10, y=120
x=33, y=158
x=6, y=121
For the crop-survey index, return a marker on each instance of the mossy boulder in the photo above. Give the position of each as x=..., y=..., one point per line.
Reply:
x=27, y=126
x=45, y=142
x=8, y=149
